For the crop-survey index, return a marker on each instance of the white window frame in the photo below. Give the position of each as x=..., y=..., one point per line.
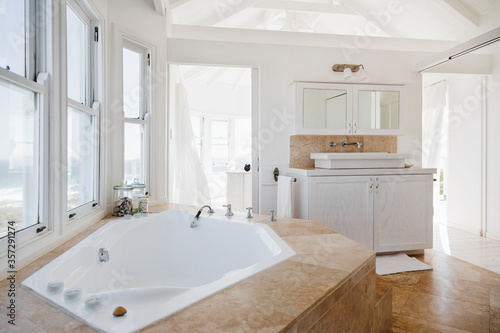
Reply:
x=91, y=105
x=36, y=56
x=25, y=235
x=208, y=164
x=144, y=107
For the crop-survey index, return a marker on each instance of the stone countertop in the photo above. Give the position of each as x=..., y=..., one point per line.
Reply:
x=317, y=172
x=288, y=297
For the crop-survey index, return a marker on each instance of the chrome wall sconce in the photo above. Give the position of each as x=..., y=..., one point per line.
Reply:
x=349, y=69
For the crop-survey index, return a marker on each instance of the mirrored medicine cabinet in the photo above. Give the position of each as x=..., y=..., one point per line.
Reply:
x=348, y=109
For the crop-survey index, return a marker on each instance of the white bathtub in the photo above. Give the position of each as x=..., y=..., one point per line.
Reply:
x=157, y=266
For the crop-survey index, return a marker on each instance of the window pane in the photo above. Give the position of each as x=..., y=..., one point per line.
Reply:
x=77, y=56
x=132, y=83
x=18, y=157
x=219, y=129
x=134, y=152
x=12, y=35
x=220, y=146
x=82, y=151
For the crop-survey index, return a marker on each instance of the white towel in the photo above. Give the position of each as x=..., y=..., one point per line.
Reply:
x=285, y=204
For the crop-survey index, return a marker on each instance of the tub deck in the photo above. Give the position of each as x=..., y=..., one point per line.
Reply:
x=330, y=283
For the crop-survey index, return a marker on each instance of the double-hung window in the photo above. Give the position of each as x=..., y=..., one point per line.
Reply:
x=82, y=110
x=22, y=112
x=219, y=145
x=136, y=104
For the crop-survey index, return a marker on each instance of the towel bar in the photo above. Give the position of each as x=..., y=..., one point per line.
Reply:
x=276, y=173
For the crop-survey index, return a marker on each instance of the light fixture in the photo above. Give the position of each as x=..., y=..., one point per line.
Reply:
x=363, y=74
x=348, y=69
x=347, y=74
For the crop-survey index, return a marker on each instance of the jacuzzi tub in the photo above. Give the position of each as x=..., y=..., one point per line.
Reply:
x=157, y=266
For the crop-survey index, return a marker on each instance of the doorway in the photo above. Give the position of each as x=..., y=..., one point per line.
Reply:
x=220, y=103
x=455, y=146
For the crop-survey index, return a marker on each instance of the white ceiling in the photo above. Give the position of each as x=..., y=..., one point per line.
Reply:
x=448, y=22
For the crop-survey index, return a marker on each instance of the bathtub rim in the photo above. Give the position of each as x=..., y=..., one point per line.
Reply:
x=195, y=294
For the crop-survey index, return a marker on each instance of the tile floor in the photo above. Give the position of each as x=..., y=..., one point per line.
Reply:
x=461, y=293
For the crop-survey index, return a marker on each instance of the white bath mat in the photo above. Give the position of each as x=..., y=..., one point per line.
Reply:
x=398, y=263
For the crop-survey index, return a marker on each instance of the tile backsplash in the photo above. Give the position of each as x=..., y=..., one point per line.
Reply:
x=301, y=146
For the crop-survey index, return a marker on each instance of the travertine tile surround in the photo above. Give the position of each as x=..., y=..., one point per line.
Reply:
x=301, y=146
x=330, y=282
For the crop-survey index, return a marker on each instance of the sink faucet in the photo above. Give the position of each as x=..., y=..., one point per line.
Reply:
x=194, y=223
x=229, y=212
x=357, y=144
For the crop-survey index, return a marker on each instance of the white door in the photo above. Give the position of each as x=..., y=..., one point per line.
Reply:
x=402, y=213
x=344, y=204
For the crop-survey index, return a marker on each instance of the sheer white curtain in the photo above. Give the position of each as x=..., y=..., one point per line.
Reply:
x=189, y=182
x=434, y=105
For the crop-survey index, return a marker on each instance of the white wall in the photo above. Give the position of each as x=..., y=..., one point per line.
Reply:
x=493, y=153
x=136, y=20
x=280, y=65
x=464, y=153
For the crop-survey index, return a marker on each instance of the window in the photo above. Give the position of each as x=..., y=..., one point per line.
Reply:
x=136, y=93
x=17, y=53
x=219, y=145
x=22, y=126
x=223, y=143
x=19, y=162
x=82, y=111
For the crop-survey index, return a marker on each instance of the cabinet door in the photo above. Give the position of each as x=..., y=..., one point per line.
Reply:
x=403, y=213
x=377, y=109
x=323, y=108
x=344, y=204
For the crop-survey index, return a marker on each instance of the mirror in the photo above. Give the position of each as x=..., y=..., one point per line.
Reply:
x=325, y=108
x=378, y=109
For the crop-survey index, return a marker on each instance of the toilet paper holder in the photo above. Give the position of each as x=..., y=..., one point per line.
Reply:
x=276, y=173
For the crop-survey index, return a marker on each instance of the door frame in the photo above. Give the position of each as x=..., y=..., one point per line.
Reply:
x=255, y=82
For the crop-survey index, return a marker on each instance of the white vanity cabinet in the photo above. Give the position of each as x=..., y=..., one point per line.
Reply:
x=383, y=211
x=402, y=213
x=348, y=109
x=343, y=204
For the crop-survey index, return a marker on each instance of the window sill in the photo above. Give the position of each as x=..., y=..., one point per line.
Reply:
x=46, y=241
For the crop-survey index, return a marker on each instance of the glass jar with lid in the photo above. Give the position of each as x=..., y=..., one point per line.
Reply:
x=143, y=206
x=138, y=190
x=122, y=200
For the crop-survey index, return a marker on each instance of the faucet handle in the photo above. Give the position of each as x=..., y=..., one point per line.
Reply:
x=271, y=218
x=249, y=214
x=229, y=212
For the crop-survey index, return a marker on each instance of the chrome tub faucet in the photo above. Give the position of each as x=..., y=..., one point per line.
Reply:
x=229, y=212
x=249, y=213
x=272, y=218
x=194, y=223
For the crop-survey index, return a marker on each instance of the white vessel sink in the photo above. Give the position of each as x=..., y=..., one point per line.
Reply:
x=358, y=160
